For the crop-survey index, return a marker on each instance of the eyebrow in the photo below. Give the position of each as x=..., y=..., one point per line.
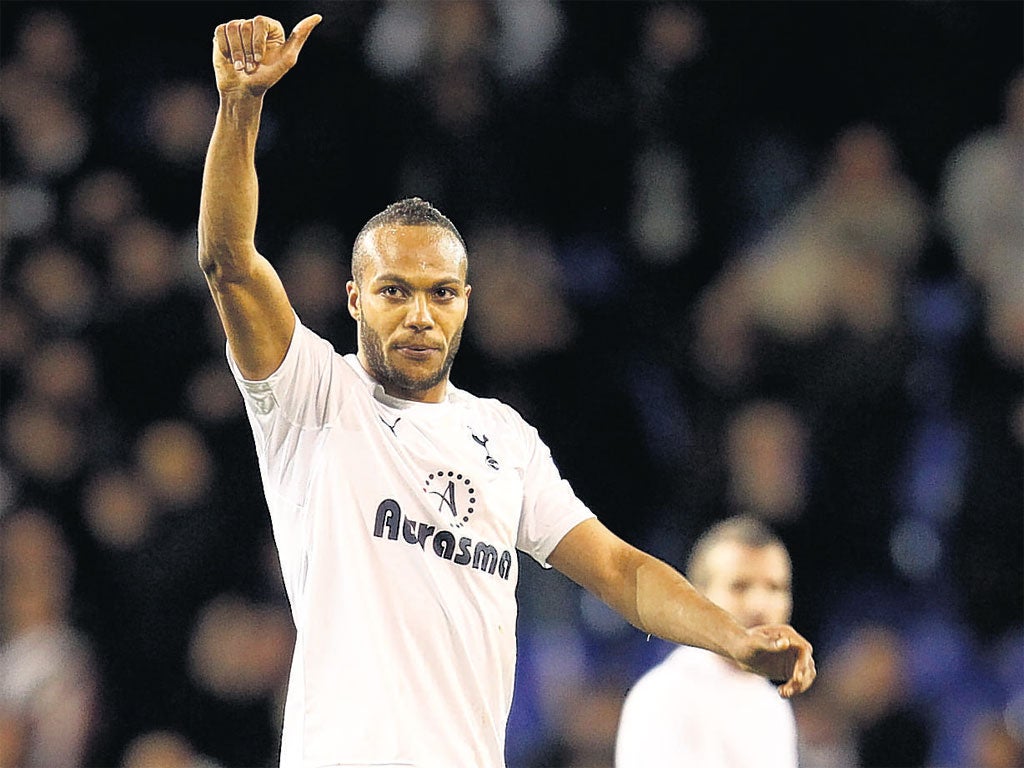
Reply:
x=391, y=277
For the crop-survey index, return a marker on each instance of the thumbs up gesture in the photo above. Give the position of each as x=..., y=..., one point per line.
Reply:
x=251, y=55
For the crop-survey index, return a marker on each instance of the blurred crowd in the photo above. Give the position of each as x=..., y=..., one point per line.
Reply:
x=724, y=259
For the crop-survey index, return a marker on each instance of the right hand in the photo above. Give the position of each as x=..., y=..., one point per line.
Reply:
x=251, y=55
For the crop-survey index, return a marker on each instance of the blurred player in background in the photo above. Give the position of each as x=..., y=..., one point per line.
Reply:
x=698, y=709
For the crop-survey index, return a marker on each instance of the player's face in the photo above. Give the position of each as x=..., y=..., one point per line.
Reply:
x=410, y=308
x=754, y=585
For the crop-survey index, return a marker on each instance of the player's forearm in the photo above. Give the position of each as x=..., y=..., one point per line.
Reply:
x=669, y=607
x=230, y=192
x=647, y=592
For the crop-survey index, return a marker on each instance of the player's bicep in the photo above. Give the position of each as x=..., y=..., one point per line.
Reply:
x=257, y=317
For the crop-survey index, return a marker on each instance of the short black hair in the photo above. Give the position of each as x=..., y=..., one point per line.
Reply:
x=410, y=212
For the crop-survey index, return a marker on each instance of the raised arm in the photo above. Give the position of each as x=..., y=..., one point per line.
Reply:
x=657, y=599
x=249, y=56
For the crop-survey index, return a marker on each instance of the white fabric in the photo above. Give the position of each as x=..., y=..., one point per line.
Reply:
x=694, y=709
x=397, y=525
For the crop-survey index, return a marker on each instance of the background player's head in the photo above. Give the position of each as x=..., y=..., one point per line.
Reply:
x=741, y=565
x=409, y=298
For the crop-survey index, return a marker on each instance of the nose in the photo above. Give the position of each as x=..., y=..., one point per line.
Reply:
x=757, y=606
x=418, y=317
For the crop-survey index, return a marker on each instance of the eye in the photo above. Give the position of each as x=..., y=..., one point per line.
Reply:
x=391, y=292
x=444, y=294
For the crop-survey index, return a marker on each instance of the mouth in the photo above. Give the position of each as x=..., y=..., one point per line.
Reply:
x=418, y=352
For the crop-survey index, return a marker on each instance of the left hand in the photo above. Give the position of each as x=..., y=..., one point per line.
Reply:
x=778, y=652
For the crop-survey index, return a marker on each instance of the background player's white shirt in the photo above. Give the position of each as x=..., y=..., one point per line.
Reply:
x=694, y=709
x=397, y=525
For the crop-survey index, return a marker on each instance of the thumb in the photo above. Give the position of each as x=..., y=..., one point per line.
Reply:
x=301, y=32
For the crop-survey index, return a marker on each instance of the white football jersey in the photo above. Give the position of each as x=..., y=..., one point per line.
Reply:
x=696, y=710
x=397, y=525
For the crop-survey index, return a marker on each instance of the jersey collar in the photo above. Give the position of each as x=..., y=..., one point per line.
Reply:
x=376, y=389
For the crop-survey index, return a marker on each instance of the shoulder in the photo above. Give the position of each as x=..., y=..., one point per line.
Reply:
x=306, y=349
x=311, y=356
x=494, y=409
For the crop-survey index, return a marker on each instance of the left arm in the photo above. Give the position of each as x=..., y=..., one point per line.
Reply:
x=658, y=600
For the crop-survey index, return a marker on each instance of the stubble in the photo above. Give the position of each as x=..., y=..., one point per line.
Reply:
x=394, y=380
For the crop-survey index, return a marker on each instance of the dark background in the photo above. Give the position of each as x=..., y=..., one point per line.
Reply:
x=775, y=84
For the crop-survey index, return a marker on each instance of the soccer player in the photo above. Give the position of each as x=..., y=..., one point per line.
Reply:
x=398, y=501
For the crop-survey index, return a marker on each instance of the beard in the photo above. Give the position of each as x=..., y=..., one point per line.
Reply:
x=394, y=380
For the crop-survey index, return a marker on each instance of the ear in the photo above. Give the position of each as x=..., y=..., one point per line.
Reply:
x=353, y=299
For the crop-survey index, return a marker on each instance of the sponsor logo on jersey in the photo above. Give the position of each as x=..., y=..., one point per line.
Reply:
x=455, y=495
x=393, y=524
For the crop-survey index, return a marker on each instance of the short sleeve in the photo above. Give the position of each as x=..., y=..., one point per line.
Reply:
x=291, y=410
x=550, y=506
x=300, y=390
